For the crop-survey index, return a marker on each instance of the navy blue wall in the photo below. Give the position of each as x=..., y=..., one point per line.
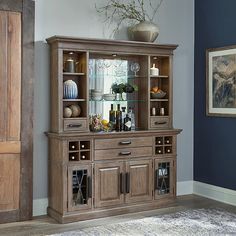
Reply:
x=214, y=137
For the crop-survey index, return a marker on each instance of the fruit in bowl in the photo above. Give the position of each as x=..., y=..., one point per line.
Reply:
x=157, y=93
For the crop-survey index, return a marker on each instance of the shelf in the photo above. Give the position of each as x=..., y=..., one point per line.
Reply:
x=160, y=116
x=115, y=101
x=75, y=118
x=118, y=76
x=159, y=76
x=74, y=100
x=68, y=73
x=159, y=100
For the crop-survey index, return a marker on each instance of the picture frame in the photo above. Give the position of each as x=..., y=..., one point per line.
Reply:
x=221, y=81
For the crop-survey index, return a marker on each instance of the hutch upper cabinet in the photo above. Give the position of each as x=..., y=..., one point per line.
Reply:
x=112, y=143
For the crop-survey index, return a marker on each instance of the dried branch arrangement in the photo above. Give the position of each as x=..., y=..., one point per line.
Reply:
x=129, y=11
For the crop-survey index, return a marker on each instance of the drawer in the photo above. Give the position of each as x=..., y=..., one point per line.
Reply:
x=111, y=154
x=75, y=124
x=123, y=142
x=159, y=122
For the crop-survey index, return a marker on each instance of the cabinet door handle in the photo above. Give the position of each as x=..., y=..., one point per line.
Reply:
x=124, y=153
x=125, y=142
x=160, y=122
x=155, y=180
x=89, y=187
x=74, y=125
x=127, y=182
x=121, y=183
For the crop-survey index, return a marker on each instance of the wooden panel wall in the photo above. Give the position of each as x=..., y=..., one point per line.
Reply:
x=10, y=105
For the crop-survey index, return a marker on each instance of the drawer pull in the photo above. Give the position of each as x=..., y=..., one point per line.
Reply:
x=125, y=153
x=160, y=122
x=74, y=125
x=125, y=142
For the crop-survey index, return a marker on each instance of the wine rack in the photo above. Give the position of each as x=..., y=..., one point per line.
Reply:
x=163, y=145
x=79, y=150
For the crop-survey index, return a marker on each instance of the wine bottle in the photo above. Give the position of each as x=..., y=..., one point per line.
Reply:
x=127, y=123
x=112, y=117
x=118, y=119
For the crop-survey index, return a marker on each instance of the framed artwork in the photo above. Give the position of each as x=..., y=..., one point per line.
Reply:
x=221, y=81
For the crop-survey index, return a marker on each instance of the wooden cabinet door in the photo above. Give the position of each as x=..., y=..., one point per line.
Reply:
x=10, y=114
x=109, y=184
x=138, y=181
x=164, y=178
x=79, y=187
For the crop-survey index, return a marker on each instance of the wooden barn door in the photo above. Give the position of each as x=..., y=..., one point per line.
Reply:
x=16, y=109
x=10, y=114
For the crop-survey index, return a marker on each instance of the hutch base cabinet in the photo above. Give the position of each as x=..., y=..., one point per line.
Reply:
x=128, y=176
x=94, y=170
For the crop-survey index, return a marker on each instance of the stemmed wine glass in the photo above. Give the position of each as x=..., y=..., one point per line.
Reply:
x=135, y=67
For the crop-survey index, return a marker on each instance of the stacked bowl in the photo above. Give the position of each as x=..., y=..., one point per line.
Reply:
x=96, y=94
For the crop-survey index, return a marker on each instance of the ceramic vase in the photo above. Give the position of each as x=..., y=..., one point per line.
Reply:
x=70, y=89
x=144, y=31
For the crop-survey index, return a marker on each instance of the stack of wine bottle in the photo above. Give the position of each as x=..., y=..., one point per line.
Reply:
x=122, y=120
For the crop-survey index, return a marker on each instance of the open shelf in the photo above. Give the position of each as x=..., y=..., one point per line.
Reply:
x=159, y=76
x=72, y=74
x=159, y=100
x=74, y=100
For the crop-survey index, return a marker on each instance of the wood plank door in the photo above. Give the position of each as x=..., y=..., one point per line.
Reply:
x=138, y=181
x=109, y=184
x=10, y=114
x=16, y=109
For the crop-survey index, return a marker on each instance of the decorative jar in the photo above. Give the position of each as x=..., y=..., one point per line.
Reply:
x=70, y=89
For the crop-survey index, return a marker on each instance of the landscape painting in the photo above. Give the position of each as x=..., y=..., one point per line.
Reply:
x=221, y=81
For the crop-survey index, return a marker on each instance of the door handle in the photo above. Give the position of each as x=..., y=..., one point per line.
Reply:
x=127, y=182
x=89, y=187
x=155, y=181
x=121, y=183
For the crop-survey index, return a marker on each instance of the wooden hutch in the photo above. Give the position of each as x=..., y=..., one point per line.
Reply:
x=99, y=174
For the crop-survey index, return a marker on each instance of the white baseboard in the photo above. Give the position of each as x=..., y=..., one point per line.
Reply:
x=184, y=188
x=214, y=192
x=40, y=207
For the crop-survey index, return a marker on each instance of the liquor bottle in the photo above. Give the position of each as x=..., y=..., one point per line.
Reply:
x=112, y=117
x=127, y=123
x=132, y=117
x=123, y=115
x=118, y=119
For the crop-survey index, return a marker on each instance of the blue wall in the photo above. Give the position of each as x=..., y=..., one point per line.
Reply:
x=214, y=137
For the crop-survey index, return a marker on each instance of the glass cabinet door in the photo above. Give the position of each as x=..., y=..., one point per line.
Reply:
x=118, y=79
x=79, y=187
x=164, y=178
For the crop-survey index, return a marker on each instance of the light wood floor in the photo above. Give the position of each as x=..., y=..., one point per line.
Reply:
x=45, y=225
